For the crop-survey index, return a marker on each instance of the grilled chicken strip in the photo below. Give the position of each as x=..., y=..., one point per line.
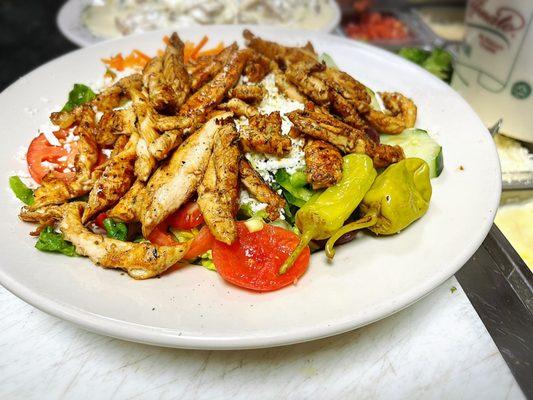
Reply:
x=257, y=67
x=248, y=93
x=239, y=108
x=218, y=192
x=57, y=191
x=166, y=79
x=127, y=209
x=45, y=215
x=324, y=164
x=299, y=74
x=207, y=67
x=263, y=135
x=174, y=182
x=400, y=114
x=114, y=123
x=257, y=187
x=116, y=94
x=198, y=106
x=321, y=125
x=145, y=162
x=287, y=88
x=348, y=97
x=65, y=119
x=114, y=182
x=139, y=260
x=282, y=55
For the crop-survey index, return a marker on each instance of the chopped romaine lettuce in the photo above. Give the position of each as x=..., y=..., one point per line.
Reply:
x=294, y=187
x=206, y=260
x=51, y=241
x=116, y=229
x=79, y=95
x=23, y=193
x=438, y=61
x=182, y=236
x=246, y=211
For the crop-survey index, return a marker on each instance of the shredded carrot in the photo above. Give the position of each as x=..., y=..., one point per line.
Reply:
x=187, y=51
x=211, y=52
x=116, y=62
x=136, y=59
x=166, y=39
x=199, y=47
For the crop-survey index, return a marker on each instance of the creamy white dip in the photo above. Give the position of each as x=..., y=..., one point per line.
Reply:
x=114, y=18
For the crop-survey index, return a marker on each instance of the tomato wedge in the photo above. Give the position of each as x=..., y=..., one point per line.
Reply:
x=200, y=244
x=99, y=220
x=186, y=217
x=203, y=242
x=254, y=259
x=41, y=150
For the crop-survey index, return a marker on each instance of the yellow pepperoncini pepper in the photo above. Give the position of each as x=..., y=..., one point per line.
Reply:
x=397, y=198
x=325, y=213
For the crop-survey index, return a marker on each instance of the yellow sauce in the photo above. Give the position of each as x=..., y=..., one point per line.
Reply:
x=516, y=223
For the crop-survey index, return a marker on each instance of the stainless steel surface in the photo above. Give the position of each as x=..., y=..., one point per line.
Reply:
x=500, y=287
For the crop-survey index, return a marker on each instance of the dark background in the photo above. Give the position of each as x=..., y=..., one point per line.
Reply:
x=28, y=37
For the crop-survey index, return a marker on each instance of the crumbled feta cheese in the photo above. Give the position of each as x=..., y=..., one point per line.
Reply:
x=71, y=137
x=255, y=206
x=62, y=159
x=107, y=152
x=49, y=165
x=51, y=137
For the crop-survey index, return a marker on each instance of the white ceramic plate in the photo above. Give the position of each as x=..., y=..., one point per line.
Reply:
x=369, y=279
x=70, y=23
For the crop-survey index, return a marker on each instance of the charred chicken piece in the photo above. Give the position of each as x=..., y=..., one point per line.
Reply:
x=324, y=164
x=257, y=67
x=201, y=103
x=248, y=93
x=116, y=94
x=207, y=67
x=166, y=79
x=323, y=126
x=115, y=181
x=263, y=135
x=139, y=260
x=239, y=108
x=218, y=191
x=260, y=190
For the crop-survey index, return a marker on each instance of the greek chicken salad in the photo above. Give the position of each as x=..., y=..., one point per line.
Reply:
x=243, y=160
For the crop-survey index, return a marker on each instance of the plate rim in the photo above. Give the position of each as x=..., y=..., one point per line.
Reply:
x=164, y=337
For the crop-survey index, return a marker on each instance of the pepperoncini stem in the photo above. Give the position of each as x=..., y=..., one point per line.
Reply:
x=365, y=222
x=304, y=241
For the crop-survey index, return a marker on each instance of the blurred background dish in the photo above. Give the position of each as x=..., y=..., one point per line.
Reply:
x=86, y=22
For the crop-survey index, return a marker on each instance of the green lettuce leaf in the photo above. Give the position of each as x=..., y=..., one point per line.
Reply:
x=116, y=229
x=51, y=241
x=23, y=193
x=294, y=187
x=79, y=95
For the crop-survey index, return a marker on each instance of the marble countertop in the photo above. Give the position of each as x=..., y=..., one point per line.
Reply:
x=437, y=348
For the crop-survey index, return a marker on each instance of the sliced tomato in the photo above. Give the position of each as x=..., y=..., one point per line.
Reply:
x=187, y=217
x=254, y=259
x=99, y=220
x=41, y=150
x=161, y=236
x=200, y=244
x=203, y=242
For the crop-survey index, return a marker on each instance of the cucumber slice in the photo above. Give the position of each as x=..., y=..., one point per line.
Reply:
x=374, y=103
x=417, y=143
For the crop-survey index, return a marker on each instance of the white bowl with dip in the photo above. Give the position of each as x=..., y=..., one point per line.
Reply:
x=86, y=22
